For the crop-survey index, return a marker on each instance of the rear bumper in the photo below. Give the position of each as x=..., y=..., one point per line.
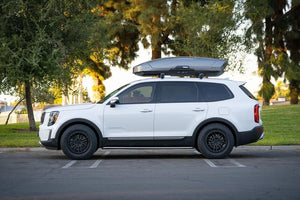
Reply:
x=251, y=136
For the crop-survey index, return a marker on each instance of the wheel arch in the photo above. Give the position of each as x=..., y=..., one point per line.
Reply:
x=82, y=121
x=215, y=120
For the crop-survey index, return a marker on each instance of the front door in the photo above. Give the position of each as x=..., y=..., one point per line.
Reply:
x=132, y=118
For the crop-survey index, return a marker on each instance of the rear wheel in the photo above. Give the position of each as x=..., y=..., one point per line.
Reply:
x=79, y=142
x=215, y=141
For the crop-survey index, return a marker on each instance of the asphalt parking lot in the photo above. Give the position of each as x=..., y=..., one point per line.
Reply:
x=249, y=173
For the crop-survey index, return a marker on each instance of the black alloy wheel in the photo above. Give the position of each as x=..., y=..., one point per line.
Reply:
x=79, y=142
x=215, y=141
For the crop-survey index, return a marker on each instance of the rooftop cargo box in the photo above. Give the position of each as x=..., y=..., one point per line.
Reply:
x=181, y=66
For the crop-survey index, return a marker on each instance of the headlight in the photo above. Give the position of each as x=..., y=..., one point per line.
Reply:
x=53, y=117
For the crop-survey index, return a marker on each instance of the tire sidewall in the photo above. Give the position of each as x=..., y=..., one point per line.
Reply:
x=83, y=130
x=204, y=148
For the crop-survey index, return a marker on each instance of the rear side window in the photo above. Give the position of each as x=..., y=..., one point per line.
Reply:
x=215, y=92
x=247, y=92
x=176, y=92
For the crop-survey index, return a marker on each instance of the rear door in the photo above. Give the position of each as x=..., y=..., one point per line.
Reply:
x=180, y=108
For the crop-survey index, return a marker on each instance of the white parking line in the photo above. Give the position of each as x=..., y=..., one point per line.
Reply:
x=222, y=164
x=69, y=164
x=236, y=163
x=210, y=163
x=97, y=162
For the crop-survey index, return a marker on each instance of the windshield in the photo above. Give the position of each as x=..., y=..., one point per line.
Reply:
x=111, y=94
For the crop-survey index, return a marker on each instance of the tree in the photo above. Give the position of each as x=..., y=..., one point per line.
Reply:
x=207, y=29
x=292, y=37
x=156, y=23
x=275, y=32
x=114, y=41
x=39, y=43
x=199, y=28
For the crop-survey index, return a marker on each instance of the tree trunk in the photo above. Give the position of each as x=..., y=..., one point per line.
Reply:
x=156, y=48
x=294, y=91
x=13, y=110
x=32, y=126
x=266, y=68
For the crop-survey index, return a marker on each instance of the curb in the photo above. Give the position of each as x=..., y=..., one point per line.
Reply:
x=23, y=149
x=268, y=148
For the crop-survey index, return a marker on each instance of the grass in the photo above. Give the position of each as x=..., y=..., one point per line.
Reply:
x=18, y=135
x=282, y=127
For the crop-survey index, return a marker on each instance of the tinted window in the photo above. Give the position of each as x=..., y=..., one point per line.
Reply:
x=112, y=93
x=247, y=92
x=215, y=91
x=141, y=93
x=174, y=92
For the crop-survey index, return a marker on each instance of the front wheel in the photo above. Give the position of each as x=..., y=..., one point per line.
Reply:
x=79, y=142
x=215, y=141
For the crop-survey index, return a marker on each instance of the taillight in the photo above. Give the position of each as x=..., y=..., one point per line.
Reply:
x=256, y=113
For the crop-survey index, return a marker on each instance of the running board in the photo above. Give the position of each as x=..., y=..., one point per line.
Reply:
x=133, y=148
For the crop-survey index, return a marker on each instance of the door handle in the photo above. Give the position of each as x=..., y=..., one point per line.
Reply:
x=146, y=111
x=199, y=109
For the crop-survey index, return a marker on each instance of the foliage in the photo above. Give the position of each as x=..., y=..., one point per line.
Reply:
x=208, y=29
x=41, y=42
x=193, y=28
x=281, y=90
x=274, y=30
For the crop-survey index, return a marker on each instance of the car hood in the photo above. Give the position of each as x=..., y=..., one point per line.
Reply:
x=72, y=107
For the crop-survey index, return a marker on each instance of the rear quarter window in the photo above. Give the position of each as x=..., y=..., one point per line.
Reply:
x=247, y=92
x=215, y=92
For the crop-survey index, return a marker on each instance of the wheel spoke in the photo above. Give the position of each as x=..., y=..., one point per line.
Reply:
x=78, y=143
x=216, y=141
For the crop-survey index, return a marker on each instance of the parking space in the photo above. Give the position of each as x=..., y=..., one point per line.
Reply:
x=92, y=164
x=150, y=174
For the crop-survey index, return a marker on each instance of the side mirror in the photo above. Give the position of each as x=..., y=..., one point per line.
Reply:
x=114, y=101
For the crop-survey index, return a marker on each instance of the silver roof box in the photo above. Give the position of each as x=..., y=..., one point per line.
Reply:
x=181, y=66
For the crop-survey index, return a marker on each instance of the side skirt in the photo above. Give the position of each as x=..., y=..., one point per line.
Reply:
x=186, y=142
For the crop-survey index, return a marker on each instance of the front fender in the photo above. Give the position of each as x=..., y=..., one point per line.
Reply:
x=82, y=121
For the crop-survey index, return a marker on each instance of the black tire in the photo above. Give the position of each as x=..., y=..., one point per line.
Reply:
x=79, y=142
x=215, y=141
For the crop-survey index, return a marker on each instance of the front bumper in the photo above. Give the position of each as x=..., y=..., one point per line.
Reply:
x=46, y=140
x=251, y=136
x=50, y=144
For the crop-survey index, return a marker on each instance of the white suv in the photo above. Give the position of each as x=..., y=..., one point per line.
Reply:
x=210, y=115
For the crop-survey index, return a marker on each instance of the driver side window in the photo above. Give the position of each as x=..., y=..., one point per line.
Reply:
x=141, y=93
